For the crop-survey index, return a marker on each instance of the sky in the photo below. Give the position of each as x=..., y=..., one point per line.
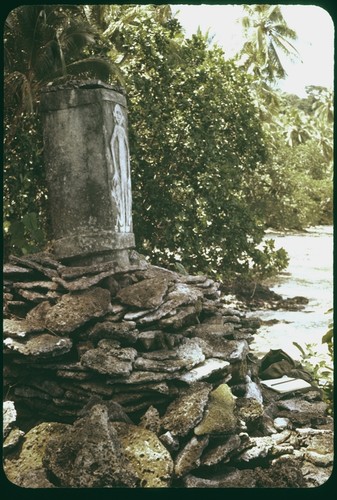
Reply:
x=315, y=43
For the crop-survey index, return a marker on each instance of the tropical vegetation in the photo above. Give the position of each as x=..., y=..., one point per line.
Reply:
x=218, y=154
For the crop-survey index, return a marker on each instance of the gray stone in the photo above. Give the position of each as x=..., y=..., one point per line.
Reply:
x=140, y=377
x=12, y=269
x=122, y=331
x=32, y=296
x=9, y=416
x=37, y=316
x=234, y=478
x=221, y=452
x=134, y=315
x=250, y=411
x=150, y=460
x=74, y=310
x=13, y=439
x=170, y=366
x=109, y=360
x=318, y=447
x=89, y=454
x=281, y=423
x=186, y=411
x=300, y=411
x=85, y=282
x=184, y=317
x=209, y=367
x=146, y=294
x=48, y=285
x=206, y=331
x=187, y=355
x=188, y=457
x=40, y=346
x=152, y=339
x=18, y=328
x=151, y=420
x=181, y=295
x=169, y=441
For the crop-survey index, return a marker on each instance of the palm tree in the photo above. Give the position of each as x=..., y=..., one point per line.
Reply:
x=44, y=44
x=268, y=36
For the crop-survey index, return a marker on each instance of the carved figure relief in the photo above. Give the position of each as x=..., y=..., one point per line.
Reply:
x=120, y=175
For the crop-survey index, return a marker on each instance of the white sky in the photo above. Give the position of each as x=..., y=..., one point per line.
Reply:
x=315, y=43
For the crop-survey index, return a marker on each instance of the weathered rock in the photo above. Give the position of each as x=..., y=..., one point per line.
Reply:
x=12, y=440
x=234, y=478
x=209, y=367
x=124, y=331
x=48, y=285
x=139, y=377
x=250, y=411
x=153, y=339
x=181, y=295
x=150, y=460
x=37, y=315
x=219, y=417
x=109, y=360
x=187, y=355
x=146, y=294
x=116, y=412
x=301, y=411
x=27, y=470
x=89, y=454
x=74, y=310
x=318, y=446
x=186, y=411
x=33, y=296
x=168, y=365
x=170, y=442
x=206, y=331
x=221, y=452
x=135, y=315
x=19, y=328
x=184, y=317
x=40, y=346
x=281, y=423
x=281, y=475
x=12, y=269
x=189, y=457
x=151, y=420
x=9, y=417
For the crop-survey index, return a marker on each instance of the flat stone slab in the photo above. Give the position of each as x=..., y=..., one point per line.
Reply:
x=219, y=417
x=221, y=452
x=107, y=359
x=74, y=310
x=146, y=294
x=41, y=345
x=206, y=330
x=18, y=328
x=204, y=370
x=121, y=331
x=89, y=454
x=148, y=457
x=187, y=410
x=189, y=457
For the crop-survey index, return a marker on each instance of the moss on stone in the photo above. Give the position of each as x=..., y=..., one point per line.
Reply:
x=149, y=458
x=219, y=416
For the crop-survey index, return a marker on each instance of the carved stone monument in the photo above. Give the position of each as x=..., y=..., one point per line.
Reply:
x=87, y=160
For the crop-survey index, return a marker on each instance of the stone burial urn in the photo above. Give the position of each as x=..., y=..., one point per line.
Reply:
x=87, y=162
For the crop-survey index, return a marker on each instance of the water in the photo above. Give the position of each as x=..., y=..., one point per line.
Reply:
x=309, y=274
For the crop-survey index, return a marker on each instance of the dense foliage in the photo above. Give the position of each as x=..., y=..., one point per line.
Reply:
x=217, y=154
